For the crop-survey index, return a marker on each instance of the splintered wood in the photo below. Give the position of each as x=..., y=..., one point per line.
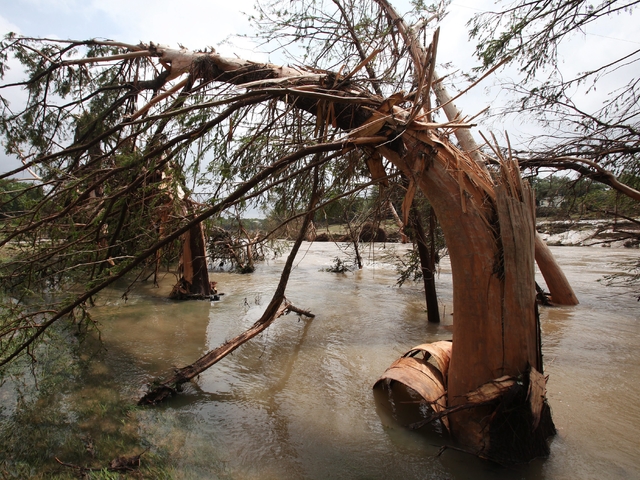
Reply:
x=537, y=395
x=429, y=380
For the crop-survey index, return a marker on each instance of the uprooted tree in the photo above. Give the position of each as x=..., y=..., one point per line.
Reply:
x=113, y=131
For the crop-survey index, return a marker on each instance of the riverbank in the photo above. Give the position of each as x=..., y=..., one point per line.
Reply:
x=618, y=233
x=590, y=233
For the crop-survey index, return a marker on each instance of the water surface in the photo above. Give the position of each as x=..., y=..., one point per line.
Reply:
x=296, y=402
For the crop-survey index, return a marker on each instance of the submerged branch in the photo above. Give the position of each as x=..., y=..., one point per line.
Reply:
x=276, y=308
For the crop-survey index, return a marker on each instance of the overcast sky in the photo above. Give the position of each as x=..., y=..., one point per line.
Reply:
x=202, y=23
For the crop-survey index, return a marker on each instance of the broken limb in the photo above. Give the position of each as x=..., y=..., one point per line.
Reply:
x=299, y=311
x=559, y=287
x=170, y=387
x=276, y=308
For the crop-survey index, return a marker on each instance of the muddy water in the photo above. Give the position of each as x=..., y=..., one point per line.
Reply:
x=296, y=402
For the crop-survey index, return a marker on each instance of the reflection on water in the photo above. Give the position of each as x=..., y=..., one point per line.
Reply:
x=296, y=402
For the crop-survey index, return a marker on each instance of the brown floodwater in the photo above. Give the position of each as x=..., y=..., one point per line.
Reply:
x=296, y=402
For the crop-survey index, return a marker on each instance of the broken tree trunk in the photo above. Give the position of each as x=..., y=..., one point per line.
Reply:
x=493, y=334
x=489, y=230
x=559, y=287
x=554, y=276
x=194, y=282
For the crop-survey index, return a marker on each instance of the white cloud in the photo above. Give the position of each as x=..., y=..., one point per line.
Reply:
x=192, y=24
x=6, y=26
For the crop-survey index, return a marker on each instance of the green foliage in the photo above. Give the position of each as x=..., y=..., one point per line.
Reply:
x=563, y=196
x=18, y=197
x=408, y=267
x=345, y=209
x=531, y=31
x=340, y=266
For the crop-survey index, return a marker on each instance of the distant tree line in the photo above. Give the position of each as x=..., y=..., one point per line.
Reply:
x=563, y=196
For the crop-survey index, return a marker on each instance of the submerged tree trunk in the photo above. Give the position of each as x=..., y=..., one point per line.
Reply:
x=559, y=287
x=427, y=266
x=489, y=231
x=194, y=281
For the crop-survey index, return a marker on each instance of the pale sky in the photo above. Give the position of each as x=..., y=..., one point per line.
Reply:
x=194, y=24
x=201, y=23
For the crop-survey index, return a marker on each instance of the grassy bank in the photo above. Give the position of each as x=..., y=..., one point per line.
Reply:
x=67, y=406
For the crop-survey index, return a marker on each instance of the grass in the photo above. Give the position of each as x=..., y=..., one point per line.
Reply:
x=74, y=413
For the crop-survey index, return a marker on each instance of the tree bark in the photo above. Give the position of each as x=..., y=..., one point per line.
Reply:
x=427, y=266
